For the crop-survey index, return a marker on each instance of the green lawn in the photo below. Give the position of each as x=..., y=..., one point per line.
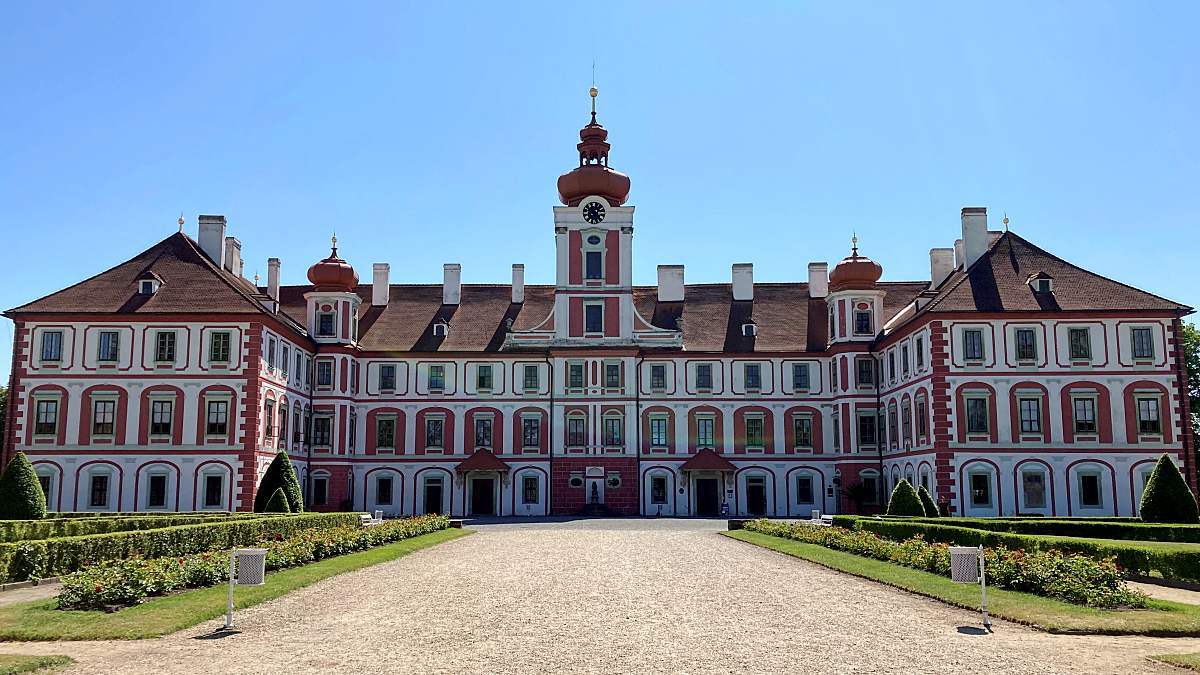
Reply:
x=39, y=620
x=1189, y=661
x=11, y=664
x=1163, y=618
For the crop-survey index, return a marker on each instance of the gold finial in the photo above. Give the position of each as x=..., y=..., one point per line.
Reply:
x=593, y=92
x=333, y=241
x=256, y=278
x=854, y=243
x=1005, y=221
x=181, y=221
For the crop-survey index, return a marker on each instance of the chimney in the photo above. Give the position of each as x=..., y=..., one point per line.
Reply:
x=379, y=284
x=818, y=279
x=958, y=253
x=451, y=283
x=233, y=256
x=212, y=238
x=670, y=283
x=273, y=278
x=974, y=233
x=518, y=284
x=941, y=264
x=743, y=281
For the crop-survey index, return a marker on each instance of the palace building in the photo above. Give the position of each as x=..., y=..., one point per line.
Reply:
x=1008, y=382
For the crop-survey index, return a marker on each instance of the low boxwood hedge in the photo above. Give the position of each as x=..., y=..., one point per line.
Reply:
x=1131, y=530
x=49, y=528
x=39, y=558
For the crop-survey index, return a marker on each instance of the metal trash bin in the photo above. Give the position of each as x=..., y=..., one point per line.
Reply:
x=967, y=567
x=816, y=514
x=247, y=567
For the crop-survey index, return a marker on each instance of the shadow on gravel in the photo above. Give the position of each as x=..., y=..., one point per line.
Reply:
x=218, y=634
x=973, y=630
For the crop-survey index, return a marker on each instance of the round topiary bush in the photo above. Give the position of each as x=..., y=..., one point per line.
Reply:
x=904, y=501
x=280, y=475
x=931, y=509
x=278, y=503
x=1167, y=498
x=21, y=495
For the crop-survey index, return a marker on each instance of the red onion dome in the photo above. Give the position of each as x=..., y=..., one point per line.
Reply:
x=855, y=272
x=592, y=176
x=333, y=273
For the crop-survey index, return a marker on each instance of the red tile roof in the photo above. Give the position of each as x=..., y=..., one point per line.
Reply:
x=482, y=460
x=707, y=460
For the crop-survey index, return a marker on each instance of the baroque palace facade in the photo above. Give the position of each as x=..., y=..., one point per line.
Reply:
x=1009, y=382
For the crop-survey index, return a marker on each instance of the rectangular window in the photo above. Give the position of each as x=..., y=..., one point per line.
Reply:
x=529, y=489
x=753, y=374
x=271, y=353
x=283, y=424
x=296, y=427
x=1143, y=343
x=576, y=431
x=387, y=377
x=614, y=430
x=1033, y=487
x=658, y=489
x=98, y=498
x=269, y=419
x=981, y=489
x=658, y=377
x=1089, y=490
x=754, y=432
x=161, y=413
x=110, y=346
x=383, y=490
x=437, y=377
x=893, y=431
x=977, y=416
x=385, y=432
x=299, y=366
x=862, y=322
x=892, y=366
x=284, y=360
x=214, y=487
x=920, y=353
x=1026, y=344
x=1085, y=415
x=704, y=376
x=835, y=422
x=802, y=427
x=804, y=489
x=435, y=428
x=157, y=497
x=46, y=422
x=483, y=378
x=324, y=373
x=530, y=380
x=612, y=376
x=904, y=359
x=1080, y=342
x=704, y=431
x=594, y=263
x=658, y=432
x=218, y=347
x=217, y=421
x=865, y=372
x=1148, y=418
x=1031, y=415
x=833, y=378
x=531, y=432
x=575, y=376
x=103, y=416
x=973, y=344
x=593, y=318
x=322, y=431
x=325, y=324
x=800, y=377
x=866, y=429
x=921, y=418
x=320, y=490
x=906, y=421
x=52, y=345
x=483, y=432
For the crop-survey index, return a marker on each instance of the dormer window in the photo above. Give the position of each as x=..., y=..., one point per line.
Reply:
x=749, y=329
x=325, y=324
x=1041, y=283
x=147, y=287
x=441, y=329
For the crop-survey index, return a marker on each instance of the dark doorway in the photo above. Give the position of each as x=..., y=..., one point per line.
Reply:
x=483, y=497
x=707, y=496
x=433, y=495
x=756, y=496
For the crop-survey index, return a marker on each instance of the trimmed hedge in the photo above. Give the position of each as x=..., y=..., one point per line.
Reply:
x=278, y=503
x=931, y=508
x=1130, y=530
x=904, y=501
x=1167, y=498
x=280, y=476
x=49, y=528
x=20, y=492
x=41, y=558
x=1172, y=561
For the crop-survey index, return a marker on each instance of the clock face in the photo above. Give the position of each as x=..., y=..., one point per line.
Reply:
x=593, y=212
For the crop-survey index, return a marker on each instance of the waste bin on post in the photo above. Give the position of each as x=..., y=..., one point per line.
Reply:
x=247, y=567
x=966, y=567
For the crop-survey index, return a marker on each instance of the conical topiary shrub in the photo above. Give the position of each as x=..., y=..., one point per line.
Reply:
x=1167, y=498
x=904, y=501
x=931, y=509
x=280, y=474
x=278, y=503
x=21, y=495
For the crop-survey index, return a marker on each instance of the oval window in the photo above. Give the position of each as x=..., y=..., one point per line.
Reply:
x=593, y=240
x=576, y=482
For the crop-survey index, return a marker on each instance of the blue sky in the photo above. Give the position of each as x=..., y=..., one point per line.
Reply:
x=427, y=133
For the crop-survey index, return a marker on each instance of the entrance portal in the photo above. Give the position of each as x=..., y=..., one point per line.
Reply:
x=756, y=496
x=708, y=496
x=433, y=494
x=483, y=496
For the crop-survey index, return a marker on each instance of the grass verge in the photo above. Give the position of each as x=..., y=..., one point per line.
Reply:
x=11, y=664
x=1189, y=661
x=39, y=620
x=1163, y=618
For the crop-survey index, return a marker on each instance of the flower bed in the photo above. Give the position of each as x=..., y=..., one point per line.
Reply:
x=130, y=582
x=1132, y=530
x=1072, y=578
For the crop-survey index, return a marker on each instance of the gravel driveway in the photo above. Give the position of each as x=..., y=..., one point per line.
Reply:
x=613, y=596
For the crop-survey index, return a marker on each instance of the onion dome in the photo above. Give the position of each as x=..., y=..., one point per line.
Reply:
x=855, y=272
x=333, y=273
x=592, y=176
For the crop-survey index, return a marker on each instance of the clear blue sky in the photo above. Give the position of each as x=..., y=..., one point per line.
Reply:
x=755, y=132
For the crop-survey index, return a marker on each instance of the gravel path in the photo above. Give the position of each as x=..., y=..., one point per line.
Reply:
x=613, y=596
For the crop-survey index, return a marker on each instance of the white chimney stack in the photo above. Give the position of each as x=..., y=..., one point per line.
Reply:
x=212, y=238
x=974, y=234
x=818, y=279
x=451, y=283
x=958, y=252
x=941, y=264
x=670, y=283
x=518, y=284
x=233, y=256
x=743, y=281
x=273, y=278
x=379, y=284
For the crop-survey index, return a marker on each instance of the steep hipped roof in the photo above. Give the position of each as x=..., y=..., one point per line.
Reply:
x=998, y=282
